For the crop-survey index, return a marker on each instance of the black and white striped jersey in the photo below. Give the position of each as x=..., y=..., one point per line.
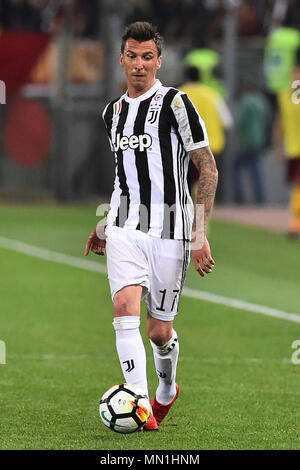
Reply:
x=151, y=136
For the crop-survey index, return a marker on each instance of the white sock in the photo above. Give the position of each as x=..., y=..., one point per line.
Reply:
x=165, y=359
x=131, y=351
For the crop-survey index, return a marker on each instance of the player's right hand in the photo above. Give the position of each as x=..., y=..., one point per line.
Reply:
x=203, y=261
x=95, y=244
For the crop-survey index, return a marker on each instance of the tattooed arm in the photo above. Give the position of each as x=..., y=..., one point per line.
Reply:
x=205, y=189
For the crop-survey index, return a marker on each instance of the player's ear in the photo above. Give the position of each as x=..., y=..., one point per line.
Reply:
x=121, y=59
x=158, y=63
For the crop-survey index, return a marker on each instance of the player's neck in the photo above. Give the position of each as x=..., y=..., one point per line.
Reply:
x=135, y=93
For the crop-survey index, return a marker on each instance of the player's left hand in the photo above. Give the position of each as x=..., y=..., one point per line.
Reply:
x=95, y=244
x=203, y=261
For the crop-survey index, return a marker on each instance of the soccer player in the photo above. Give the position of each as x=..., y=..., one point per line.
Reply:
x=154, y=131
x=287, y=130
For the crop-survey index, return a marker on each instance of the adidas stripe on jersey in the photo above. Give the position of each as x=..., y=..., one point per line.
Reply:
x=151, y=136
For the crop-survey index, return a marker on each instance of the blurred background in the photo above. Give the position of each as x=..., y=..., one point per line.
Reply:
x=59, y=62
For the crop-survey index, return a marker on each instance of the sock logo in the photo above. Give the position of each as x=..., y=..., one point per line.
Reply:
x=130, y=365
x=172, y=345
x=162, y=375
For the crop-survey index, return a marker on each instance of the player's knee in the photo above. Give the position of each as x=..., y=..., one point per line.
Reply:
x=159, y=336
x=123, y=307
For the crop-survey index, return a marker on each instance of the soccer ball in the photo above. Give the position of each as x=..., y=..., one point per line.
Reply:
x=124, y=408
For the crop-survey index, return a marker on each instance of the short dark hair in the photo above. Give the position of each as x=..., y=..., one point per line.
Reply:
x=142, y=31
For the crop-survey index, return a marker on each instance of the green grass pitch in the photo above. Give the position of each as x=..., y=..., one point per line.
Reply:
x=238, y=386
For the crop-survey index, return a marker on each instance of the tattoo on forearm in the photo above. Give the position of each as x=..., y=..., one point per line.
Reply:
x=205, y=187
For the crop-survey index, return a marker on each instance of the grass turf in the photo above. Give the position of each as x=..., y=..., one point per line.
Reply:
x=238, y=387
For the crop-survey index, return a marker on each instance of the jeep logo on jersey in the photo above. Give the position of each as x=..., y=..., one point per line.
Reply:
x=141, y=142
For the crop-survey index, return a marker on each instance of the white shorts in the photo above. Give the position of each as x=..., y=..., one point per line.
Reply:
x=158, y=265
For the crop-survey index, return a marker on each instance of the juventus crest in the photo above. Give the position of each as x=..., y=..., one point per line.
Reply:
x=153, y=116
x=153, y=112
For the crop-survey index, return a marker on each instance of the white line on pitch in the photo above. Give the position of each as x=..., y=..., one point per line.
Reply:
x=73, y=261
x=53, y=256
x=241, y=304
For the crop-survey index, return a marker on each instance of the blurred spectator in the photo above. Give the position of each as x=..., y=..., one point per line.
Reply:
x=292, y=18
x=90, y=10
x=287, y=130
x=279, y=60
x=207, y=62
x=85, y=18
x=249, y=23
x=21, y=15
x=216, y=115
x=175, y=19
x=46, y=15
x=140, y=10
x=282, y=13
x=253, y=121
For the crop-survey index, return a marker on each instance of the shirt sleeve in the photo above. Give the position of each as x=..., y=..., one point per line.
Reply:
x=104, y=114
x=107, y=117
x=191, y=126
